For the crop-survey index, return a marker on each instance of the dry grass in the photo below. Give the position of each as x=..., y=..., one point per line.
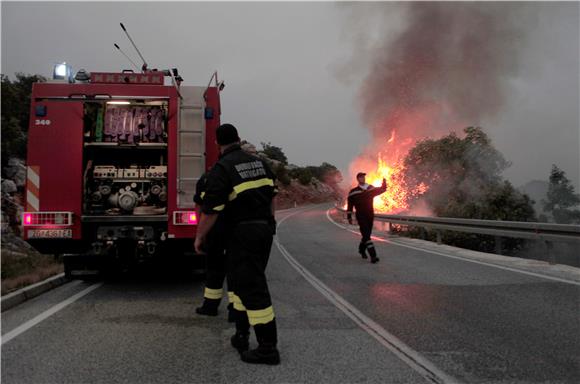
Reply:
x=22, y=269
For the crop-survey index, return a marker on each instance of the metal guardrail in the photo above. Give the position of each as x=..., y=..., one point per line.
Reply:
x=526, y=230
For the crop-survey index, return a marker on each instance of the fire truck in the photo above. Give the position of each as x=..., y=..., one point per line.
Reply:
x=112, y=164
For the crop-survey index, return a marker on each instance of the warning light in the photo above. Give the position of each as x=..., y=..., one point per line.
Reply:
x=192, y=218
x=47, y=219
x=185, y=218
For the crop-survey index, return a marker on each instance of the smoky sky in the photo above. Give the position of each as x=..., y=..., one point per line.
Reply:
x=448, y=65
x=322, y=80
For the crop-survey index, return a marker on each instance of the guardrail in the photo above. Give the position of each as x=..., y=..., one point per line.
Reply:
x=546, y=232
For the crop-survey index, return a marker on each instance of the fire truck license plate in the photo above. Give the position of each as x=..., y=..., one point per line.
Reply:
x=49, y=233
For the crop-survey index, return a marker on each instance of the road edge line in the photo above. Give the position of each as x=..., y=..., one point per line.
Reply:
x=13, y=299
x=405, y=353
x=46, y=314
x=488, y=264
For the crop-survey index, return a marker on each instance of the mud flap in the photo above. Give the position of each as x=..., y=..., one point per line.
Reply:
x=82, y=266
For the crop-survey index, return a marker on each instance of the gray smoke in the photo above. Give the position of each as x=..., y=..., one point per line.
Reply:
x=448, y=67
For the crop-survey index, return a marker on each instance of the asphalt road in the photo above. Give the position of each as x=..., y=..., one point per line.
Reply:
x=415, y=317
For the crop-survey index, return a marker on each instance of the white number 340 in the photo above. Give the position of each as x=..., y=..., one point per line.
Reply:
x=42, y=122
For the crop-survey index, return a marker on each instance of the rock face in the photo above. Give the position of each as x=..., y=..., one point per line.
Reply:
x=16, y=171
x=297, y=194
x=9, y=187
x=12, y=190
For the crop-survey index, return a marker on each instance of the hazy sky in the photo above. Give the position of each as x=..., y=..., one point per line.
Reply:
x=294, y=71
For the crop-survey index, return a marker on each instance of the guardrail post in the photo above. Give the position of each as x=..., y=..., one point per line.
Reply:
x=423, y=234
x=550, y=255
x=439, y=238
x=390, y=228
x=498, y=245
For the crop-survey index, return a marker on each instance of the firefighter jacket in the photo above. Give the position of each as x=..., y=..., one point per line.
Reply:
x=200, y=189
x=241, y=184
x=362, y=201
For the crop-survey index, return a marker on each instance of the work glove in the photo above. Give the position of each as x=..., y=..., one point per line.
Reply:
x=384, y=183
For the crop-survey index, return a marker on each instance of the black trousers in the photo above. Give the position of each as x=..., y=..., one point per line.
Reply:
x=365, y=224
x=216, y=266
x=248, y=253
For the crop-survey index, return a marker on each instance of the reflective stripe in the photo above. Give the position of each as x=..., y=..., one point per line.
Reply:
x=219, y=208
x=369, y=242
x=261, y=316
x=214, y=294
x=354, y=193
x=370, y=246
x=237, y=303
x=32, y=202
x=265, y=182
x=202, y=195
x=231, y=297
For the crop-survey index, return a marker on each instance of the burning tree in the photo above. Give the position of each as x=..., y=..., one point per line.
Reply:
x=464, y=178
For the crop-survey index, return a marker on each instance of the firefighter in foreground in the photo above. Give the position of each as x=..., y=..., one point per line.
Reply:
x=361, y=198
x=243, y=187
x=215, y=259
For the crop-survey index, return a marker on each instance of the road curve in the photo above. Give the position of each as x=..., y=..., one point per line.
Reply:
x=459, y=322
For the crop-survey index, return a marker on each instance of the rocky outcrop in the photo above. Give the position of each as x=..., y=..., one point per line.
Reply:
x=297, y=194
x=16, y=172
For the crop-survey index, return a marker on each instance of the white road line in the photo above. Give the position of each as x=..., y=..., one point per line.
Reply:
x=46, y=314
x=558, y=279
x=412, y=358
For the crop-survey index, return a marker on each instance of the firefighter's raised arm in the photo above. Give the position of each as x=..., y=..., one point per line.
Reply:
x=381, y=189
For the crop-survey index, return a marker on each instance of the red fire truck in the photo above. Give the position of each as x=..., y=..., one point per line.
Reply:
x=113, y=159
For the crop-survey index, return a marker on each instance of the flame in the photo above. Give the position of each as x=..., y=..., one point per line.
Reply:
x=391, y=168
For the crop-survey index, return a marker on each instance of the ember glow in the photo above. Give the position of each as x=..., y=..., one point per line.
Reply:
x=397, y=197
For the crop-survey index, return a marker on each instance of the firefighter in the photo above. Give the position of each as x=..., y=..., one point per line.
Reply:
x=215, y=259
x=361, y=198
x=242, y=186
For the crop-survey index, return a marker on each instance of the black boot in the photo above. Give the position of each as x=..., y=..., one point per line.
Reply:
x=241, y=339
x=209, y=307
x=361, y=250
x=231, y=313
x=266, y=353
x=373, y=253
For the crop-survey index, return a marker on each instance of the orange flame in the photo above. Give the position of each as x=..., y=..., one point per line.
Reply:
x=398, y=195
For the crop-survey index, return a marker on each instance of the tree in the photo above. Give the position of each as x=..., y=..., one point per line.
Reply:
x=561, y=198
x=464, y=180
x=15, y=114
x=274, y=153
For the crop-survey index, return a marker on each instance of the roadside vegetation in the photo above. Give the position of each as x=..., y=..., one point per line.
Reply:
x=21, y=269
x=21, y=265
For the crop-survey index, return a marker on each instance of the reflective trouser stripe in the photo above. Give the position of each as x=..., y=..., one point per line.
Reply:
x=238, y=306
x=214, y=294
x=262, y=316
x=230, y=297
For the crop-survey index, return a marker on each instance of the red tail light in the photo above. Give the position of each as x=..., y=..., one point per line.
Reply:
x=184, y=218
x=41, y=219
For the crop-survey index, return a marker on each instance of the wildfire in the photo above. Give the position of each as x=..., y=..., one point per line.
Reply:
x=398, y=195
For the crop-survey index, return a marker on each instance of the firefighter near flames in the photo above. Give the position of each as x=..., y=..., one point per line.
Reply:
x=361, y=199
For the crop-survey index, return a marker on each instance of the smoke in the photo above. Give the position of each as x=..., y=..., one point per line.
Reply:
x=449, y=66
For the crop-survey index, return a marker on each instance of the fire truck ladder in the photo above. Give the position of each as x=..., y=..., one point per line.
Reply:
x=191, y=144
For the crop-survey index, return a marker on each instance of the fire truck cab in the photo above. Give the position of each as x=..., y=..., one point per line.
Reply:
x=112, y=164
